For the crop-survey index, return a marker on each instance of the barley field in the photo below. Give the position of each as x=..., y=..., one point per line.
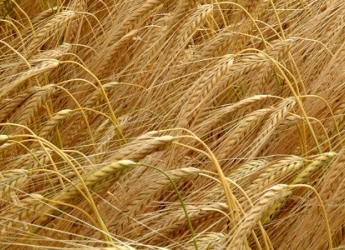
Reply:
x=172, y=124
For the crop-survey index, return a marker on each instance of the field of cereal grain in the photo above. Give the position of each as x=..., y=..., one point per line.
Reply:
x=172, y=124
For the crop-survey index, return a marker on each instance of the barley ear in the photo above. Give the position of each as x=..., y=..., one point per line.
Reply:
x=269, y=197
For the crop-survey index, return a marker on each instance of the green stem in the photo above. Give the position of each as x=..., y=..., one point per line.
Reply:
x=181, y=201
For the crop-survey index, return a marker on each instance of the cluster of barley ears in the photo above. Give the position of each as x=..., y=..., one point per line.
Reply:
x=178, y=124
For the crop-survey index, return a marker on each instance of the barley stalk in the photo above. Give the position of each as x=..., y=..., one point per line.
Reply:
x=34, y=103
x=96, y=99
x=27, y=207
x=136, y=16
x=57, y=119
x=138, y=203
x=44, y=15
x=107, y=59
x=48, y=29
x=10, y=106
x=246, y=169
x=242, y=66
x=93, y=181
x=11, y=181
x=184, y=34
x=320, y=161
x=73, y=28
x=205, y=85
x=212, y=240
x=56, y=53
x=269, y=197
x=176, y=224
x=142, y=148
x=273, y=174
x=236, y=136
x=271, y=124
x=225, y=111
x=40, y=68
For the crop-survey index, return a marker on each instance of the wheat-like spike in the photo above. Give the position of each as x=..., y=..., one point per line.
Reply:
x=48, y=29
x=107, y=59
x=220, y=114
x=205, y=85
x=153, y=44
x=26, y=161
x=216, y=47
x=281, y=48
x=289, y=121
x=40, y=68
x=337, y=195
x=179, y=16
x=266, y=200
x=241, y=67
x=31, y=107
x=96, y=98
x=8, y=106
x=227, y=40
x=27, y=207
x=184, y=34
x=335, y=175
x=246, y=169
x=156, y=42
x=176, y=224
x=108, y=173
x=339, y=113
x=5, y=146
x=130, y=147
x=132, y=20
x=243, y=172
x=200, y=15
x=56, y=53
x=279, y=51
x=185, y=5
x=143, y=148
x=101, y=129
x=73, y=27
x=274, y=173
x=321, y=161
x=181, y=38
x=150, y=52
x=210, y=241
x=271, y=124
x=236, y=136
x=57, y=119
x=80, y=134
x=12, y=180
x=138, y=203
x=187, y=69
x=44, y=15
x=94, y=181
x=44, y=162
x=104, y=141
